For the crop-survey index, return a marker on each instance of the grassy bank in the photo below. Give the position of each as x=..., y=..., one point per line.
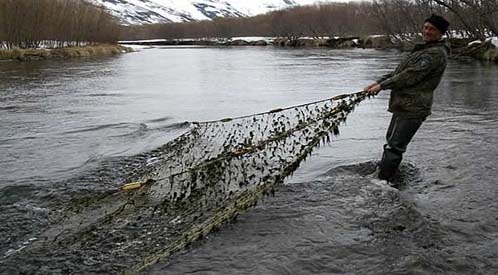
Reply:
x=69, y=52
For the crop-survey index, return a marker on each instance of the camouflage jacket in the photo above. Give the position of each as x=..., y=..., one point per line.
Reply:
x=413, y=82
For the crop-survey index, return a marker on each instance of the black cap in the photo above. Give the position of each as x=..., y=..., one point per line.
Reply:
x=439, y=22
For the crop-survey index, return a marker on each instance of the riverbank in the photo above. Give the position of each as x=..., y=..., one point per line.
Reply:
x=62, y=53
x=486, y=51
x=376, y=41
x=460, y=47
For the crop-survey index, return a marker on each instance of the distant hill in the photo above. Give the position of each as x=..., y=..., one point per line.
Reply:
x=161, y=11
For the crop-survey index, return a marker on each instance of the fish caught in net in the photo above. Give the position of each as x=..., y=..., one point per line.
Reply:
x=189, y=187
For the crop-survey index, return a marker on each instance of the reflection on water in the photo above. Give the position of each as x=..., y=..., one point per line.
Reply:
x=60, y=119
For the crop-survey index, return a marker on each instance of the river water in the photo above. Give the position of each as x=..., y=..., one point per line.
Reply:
x=64, y=119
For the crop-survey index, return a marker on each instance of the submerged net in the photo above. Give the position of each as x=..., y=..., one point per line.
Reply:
x=190, y=187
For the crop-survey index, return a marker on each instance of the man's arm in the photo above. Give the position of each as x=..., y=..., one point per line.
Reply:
x=412, y=74
x=374, y=87
x=386, y=76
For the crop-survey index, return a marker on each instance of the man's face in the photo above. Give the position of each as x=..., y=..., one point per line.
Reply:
x=430, y=33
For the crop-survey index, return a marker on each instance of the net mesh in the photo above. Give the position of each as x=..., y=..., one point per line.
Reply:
x=233, y=155
x=220, y=168
x=187, y=188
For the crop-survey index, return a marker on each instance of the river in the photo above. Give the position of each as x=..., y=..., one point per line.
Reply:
x=64, y=119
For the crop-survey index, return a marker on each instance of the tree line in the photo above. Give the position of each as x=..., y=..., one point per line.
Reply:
x=58, y=23
x=400, y=19
x=334, y=19
x=54, y=23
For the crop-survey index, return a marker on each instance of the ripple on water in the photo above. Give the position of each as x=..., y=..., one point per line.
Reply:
x=342, y=223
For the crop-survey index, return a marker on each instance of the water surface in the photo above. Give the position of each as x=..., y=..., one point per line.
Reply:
x=64, y=119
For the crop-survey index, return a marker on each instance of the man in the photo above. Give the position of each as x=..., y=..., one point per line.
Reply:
x=412, y=85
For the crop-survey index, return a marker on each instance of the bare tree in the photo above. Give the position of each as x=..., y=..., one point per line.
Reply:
x=400, y=19
x=28, y=23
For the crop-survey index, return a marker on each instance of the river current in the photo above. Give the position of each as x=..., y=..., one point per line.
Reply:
x=63, y=119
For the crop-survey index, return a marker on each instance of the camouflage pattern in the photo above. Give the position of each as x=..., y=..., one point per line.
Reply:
x=413, y=82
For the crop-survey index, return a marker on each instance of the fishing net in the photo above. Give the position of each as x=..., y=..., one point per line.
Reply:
x=191, y=186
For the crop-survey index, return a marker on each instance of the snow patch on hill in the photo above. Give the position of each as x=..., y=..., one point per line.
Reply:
x=162, y=11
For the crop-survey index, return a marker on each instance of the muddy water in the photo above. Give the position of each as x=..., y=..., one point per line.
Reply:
x=63, y=121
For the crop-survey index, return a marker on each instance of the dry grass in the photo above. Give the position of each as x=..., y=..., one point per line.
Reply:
x=97, y=50
x=11, y=54
x=69, y=52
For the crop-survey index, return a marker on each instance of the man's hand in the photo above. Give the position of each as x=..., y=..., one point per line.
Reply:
x=373, y=89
